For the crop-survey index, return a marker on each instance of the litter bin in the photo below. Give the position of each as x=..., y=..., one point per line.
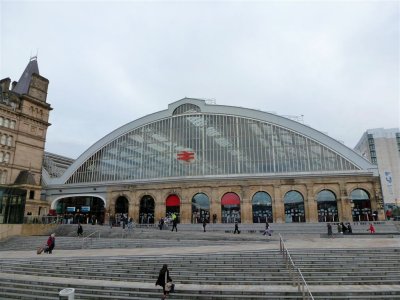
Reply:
x=69, y=292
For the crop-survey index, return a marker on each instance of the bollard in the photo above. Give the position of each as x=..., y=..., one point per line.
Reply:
x=70, y=292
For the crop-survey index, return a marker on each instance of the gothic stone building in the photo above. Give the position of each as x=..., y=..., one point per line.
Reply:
x=24, y=115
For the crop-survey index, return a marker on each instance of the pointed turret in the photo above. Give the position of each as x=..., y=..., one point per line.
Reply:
x=22, y=86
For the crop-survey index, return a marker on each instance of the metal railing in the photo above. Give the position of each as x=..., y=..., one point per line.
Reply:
x=91, y=236
x=294, y=273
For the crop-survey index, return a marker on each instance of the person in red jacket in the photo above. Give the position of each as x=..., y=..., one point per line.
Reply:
x=51, y=242
x=371, y=228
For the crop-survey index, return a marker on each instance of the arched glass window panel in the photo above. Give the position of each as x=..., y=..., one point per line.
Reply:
x=359, y=194
x=3, y=139
x=327, y=206
x=200, y=208
x=203, y=144
x=230, y=208
x=6, y=122
x=1, y=156
x=326, y=195
x=1, y=121
x=294, y=207
x=146, y=210
x=293, y=197
x=361, y=205
x=186, y=109
x=262, y=208
x=9, y=141
x=12, y=124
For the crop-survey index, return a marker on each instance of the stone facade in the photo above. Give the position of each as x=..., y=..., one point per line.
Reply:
x=24, y=116
x=245, y=189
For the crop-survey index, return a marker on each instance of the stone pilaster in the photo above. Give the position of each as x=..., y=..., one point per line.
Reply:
x=277, y=205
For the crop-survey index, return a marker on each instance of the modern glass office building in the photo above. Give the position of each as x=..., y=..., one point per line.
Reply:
x=224, y=164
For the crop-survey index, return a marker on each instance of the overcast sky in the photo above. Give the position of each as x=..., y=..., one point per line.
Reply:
x=111, y=62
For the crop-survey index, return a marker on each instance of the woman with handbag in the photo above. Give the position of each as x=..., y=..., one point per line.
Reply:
x=165, y=281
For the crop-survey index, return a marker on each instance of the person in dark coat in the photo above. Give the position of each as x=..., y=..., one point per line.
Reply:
x=204, y=224
x=349, y=229
x=163, y=278
x=80, y=229
x=236, y=228
x=329, y=226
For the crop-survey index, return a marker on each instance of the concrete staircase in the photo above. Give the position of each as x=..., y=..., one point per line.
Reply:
x=370, y=273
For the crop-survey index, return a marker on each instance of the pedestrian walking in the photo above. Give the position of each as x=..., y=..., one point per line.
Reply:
x=236, y=228
x=80, y=230
x=174, y=222
x=204, y=224
x=163, y=280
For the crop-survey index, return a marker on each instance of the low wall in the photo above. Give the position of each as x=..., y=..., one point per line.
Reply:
x=7, y=230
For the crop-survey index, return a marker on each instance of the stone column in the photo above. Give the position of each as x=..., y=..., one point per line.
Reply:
x=311, y=205
x=159, y=203
x=278, y=206
x=216, y=204
x=186, y=206
x=245, y=207
x=344, y=205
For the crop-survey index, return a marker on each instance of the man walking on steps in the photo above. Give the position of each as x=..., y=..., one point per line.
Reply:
x=174, y=222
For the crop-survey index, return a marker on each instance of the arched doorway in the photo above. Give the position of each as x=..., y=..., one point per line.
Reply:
x=121, y=209
x=294, y=207
x=83, y=209
x=262, y=207
x=230, y=208
x=173, y=204
x=327, y=206
x=200, y=208
x=361, y=205
x=146, y=210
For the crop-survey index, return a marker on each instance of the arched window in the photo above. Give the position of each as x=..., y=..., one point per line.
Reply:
x=262, y=207
x=173, y=205
x=361, y=205
x=122, y=206
x=146, y=210
x=186, y=109
x=3, y=139
x=7, y=157
x=9, y=141
x=6, y=123
x=1, y=156
x=294, y=207
x=230, y=208
x=327, y=206
x=12, y=124
x=1, y=121
x=200, y=208
x=3, y=176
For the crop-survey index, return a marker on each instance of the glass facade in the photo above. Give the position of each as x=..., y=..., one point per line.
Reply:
x=262, y=208
x=200, y=208
x=327, y=206
x=194, y=144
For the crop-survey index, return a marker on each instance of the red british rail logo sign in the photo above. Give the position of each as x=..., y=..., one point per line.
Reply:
x=186, y=156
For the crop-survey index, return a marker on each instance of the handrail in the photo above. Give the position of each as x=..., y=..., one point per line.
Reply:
x=86, y=237
x=293, y=270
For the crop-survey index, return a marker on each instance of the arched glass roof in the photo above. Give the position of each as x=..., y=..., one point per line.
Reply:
x=195, y=140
